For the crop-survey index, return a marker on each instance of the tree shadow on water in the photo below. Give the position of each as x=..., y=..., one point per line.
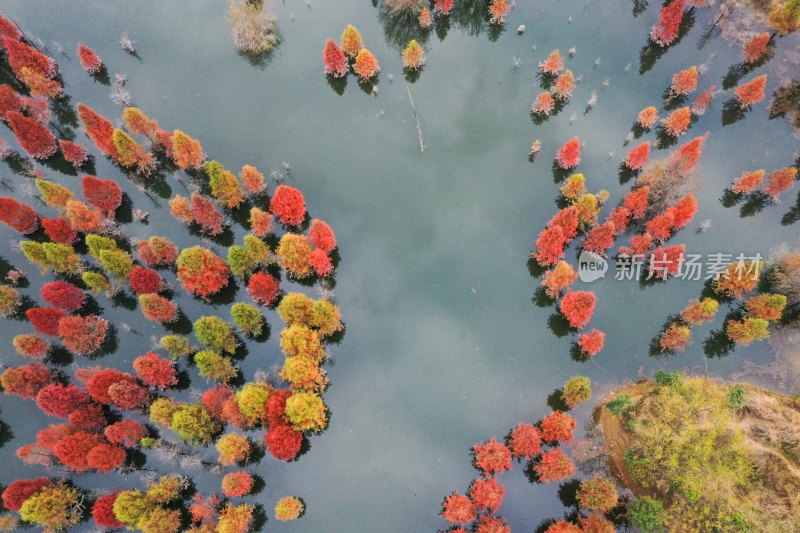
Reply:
x=535, y=269
x=541, y=298
x=793, y=214
x=732, y=112
x=338, y=85
x=730, y=198
x=556, y=401
x=754, y=204
x=559, y=325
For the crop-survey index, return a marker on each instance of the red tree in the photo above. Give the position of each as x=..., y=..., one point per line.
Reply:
x=157, y=251
x=283, y=442
x=756, y=48
x=638, y=156
x=780, y=181
x=543, y=104
x=647, y=117
x=128, y=432
x=687, y=156
x=31, y=345
x=144, y=280
x=550, y=245
x=569, y=155
x=321, y=263
x=263, y=288
x=89, y=417
x=155, y=371
x=562, y=526
x=157, y=308
x=89, y=60
x=567, y=219
x=19, y=216
x=73, y=449
x=559, y=278
x=553, y=64
x=105, y=457
x=577, y=307
x=667, y=260
x=748, y=93
x=558, y=427
x=491, y=524
x=684, y=82
x=334, y=59
x=322, y=236
x=600, y=238
x=700, y=105
x=59, y=400
x=596, y=523
x=45, y=319
x=487, y=494
x=7, y=28
x=74, y=153
x=492, y=457
x=276, y=407
x=64, y=296
x=33, y=136
x=660, y=227
x=214, y=400
x=260, y=222
x=591, y=343
x=206, y=214
x=748, y=182
x=10, y=100
x=201, y=271
x=555, y=465
x=678, y=121
x=20, y=55
x=127, y=395
x=20, y=490
x=99, y=383
x=288, y=205
x=237, y=484
x=103, y=511
x=525, y=441
x=59, y=230
x=99, y=129
x=666, y=29
x=458, y=509
x=684, y=211
x=636, y=201
x=83, y=335
x=105, y=195
x=444, y=6
x=620, y=216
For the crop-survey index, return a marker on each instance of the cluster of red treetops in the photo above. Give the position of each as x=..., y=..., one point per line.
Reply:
x=539, y=445
x=103, y=411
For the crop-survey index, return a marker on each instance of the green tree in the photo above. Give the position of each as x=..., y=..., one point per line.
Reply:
x=177, y=345
x=577, y=390
x=194, y=424
x=648, y=514
x=215, y=333
x=247, y=318
x=296, y=308
x=212, y=365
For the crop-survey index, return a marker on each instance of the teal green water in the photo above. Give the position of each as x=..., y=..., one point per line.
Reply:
x=444, y=347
